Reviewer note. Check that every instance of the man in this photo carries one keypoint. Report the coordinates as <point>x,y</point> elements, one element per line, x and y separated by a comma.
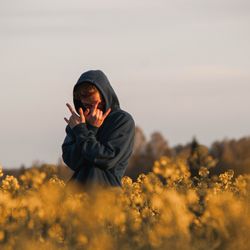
<point>100,136</point>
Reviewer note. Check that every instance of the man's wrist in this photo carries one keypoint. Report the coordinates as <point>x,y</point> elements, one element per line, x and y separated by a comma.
<point>92,128</point>
<point>80,127</point>
<point>84,127</point>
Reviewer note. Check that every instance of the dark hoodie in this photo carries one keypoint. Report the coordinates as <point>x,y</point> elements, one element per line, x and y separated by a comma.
<point>100,155</point>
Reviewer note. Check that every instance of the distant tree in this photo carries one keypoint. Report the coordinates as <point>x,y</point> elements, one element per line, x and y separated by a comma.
<point>199,157</point>
<point>232,154</point>
<point>135,161</point>
<point>145,153</point>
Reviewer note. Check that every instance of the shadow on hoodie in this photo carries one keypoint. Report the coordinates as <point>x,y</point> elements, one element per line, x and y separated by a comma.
<point>99,156</point>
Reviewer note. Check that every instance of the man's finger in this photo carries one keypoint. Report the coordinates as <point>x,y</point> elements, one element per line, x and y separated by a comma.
<point>66,119</point>
<point>101,114</point>
<point>106,114</point>
<point>82,117</point>
<point>93,110</point>
<point>98,114</point>
<point>71,109</point>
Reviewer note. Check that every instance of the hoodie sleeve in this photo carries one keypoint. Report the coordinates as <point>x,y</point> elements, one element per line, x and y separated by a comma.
<point>69,149</point>
<point>69,131</point>
<point>105,155</point>
<point>92,128</point>
<point>70,153</point>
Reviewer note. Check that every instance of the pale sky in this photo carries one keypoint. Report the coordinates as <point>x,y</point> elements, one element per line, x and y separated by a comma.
<point>179,67</point>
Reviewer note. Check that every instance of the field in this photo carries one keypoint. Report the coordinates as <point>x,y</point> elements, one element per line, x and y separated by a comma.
<point>164,209</point>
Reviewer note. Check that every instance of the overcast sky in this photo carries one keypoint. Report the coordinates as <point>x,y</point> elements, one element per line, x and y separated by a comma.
<point>179,67</point>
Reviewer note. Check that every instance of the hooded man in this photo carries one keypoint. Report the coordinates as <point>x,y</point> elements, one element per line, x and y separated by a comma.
<point>100,140</point>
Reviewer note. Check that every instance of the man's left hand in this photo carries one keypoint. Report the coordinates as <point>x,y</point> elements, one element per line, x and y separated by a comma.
<point>96,117</point>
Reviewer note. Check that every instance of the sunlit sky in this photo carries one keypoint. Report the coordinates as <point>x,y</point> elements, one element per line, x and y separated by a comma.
<point>179,67</point>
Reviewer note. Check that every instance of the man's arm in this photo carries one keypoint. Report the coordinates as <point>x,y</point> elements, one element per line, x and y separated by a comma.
<point>70,132</point>
<point>106,154</point>
<point>70,153</point>
<point>69,149</point>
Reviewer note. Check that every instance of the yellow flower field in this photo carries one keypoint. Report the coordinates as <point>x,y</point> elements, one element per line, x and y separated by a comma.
<point>165,209</point>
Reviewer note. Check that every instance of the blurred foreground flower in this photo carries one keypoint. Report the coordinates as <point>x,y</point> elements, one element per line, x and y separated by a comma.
<point>164,209</point>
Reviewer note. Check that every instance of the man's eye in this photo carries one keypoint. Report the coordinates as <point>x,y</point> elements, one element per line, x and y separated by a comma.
<point>100,106</point>
<point>87,105</point>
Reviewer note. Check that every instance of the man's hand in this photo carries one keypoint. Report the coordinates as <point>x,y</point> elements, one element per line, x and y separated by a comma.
<point>96,117</point>
<point>75,118</point>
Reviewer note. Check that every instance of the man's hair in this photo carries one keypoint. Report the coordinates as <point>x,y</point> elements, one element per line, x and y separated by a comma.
<point>85,90</point>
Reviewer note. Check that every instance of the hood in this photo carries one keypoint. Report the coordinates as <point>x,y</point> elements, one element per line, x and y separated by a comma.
<point>100,80</point>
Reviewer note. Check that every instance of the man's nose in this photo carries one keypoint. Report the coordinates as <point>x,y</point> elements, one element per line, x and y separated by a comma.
<point>93,105</point>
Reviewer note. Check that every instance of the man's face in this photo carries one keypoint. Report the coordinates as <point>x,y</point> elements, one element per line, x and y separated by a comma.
<point>90,101</point>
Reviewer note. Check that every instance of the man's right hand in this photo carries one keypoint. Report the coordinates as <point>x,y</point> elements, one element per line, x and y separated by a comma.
<point>74,118</point>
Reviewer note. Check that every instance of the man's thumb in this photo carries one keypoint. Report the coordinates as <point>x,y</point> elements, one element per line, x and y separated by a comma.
<point>81,114</point>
